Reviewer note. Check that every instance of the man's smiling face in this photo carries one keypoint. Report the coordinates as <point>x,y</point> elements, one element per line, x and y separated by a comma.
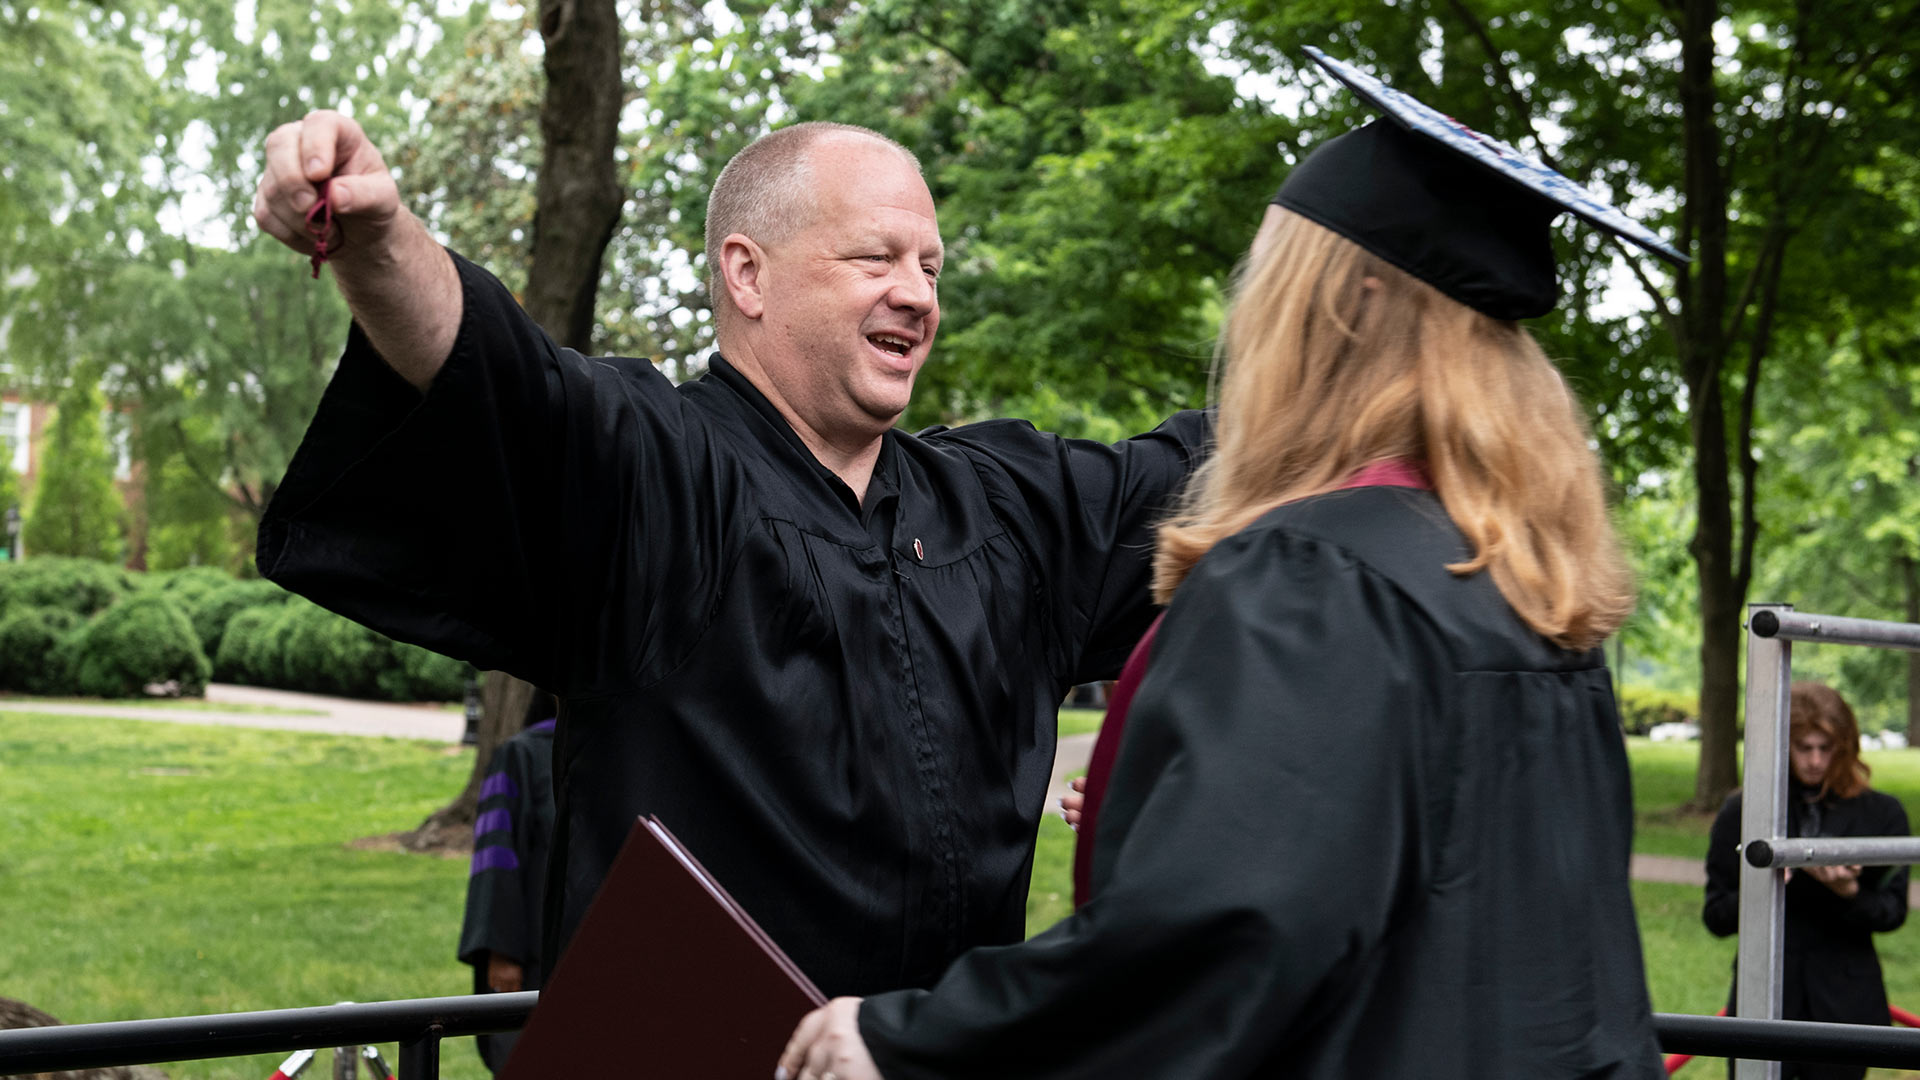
<point>851,296</point>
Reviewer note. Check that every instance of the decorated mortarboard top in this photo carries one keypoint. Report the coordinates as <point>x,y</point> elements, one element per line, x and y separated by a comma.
<point>1462,211</point>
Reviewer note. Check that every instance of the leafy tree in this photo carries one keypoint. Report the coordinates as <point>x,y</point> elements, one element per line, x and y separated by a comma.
<point>577,201</point>
<point>199,320</point>
<point>1842,508</point>
<point>188,519</point>
<point>76,509</point>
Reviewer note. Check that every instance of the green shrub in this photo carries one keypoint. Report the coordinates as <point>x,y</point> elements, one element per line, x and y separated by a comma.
<point>141,641</point>
<point>214,610</point>
<point>1642,707</point>
<point>243,641</point>
<point>294,644</point>
<point>424,675</point>
<point>31,661</point>
<point>326,653</point>
<point>270,655</point>
<point>82,586</point>
<point>188,585</point>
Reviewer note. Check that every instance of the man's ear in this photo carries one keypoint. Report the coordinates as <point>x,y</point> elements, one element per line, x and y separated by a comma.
<point>743,267</point>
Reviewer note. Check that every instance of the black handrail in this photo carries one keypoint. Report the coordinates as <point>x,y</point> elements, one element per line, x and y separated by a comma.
<point>418,1026</point>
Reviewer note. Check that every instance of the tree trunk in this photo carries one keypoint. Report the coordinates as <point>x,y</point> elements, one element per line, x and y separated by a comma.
<point>1703,302</point>
<point>578,197</point>
<point>577,206</point>
<point>1910,578</point>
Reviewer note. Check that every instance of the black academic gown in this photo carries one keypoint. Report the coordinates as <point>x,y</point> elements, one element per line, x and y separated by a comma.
<point>845,710</point>
<point>1829,969</point>
<point>508,876</point>
<point>1363,823</point>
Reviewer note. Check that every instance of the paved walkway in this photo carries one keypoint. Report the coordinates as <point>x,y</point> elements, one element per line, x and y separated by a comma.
<point>336,716</point>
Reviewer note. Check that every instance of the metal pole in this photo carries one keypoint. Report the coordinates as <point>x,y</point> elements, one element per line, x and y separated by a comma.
<point>420,1058</point>
<point>346,1062</point>
<point>1790,625</point>
<point>1763,815</point>
<point>1834,851</point>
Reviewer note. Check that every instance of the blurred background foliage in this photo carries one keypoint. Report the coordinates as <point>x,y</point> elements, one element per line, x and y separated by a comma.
<point>1100,166</point>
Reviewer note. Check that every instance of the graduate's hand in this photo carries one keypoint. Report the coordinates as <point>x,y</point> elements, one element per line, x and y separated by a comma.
<point>1074,801</point>
<point>1843,880</point>
<point>503,975</point>
<point>827,1046</point>
<point>325,147</point>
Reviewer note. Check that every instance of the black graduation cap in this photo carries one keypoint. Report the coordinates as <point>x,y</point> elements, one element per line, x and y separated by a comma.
<point>1461,211</point>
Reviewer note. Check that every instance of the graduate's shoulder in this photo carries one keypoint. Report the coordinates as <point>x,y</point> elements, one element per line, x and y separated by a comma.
<point>1403,537</point>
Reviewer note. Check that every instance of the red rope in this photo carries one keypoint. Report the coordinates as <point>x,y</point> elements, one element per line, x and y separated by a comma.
<point>319,225</point>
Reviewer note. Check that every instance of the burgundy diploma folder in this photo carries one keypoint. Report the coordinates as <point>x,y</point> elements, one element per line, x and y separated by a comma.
<point>666,976</point>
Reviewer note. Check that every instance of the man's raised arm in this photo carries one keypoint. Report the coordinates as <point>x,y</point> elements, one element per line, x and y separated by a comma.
<point>398,281</point>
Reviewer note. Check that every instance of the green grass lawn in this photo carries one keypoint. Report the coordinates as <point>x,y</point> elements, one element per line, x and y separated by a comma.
<point>186,704</point>
<point>1663,782</point>
<point>166,870</point>
<point>1080,721</point>
<point>162,869</point>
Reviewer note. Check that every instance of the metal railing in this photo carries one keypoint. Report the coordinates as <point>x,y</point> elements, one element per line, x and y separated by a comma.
<point>419,1026</point>
<point>1772,630</point>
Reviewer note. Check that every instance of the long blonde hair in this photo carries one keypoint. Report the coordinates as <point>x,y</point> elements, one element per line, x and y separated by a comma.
<point>1332,359</point>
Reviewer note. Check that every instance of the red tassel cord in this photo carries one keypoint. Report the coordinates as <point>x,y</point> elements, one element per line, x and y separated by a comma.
<point>319,225</point>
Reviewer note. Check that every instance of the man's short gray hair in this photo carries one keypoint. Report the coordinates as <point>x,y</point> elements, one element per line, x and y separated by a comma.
<point>766,191</point>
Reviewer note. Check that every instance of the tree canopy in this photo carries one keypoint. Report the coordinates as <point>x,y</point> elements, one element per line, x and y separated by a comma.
<point>1099,167</point>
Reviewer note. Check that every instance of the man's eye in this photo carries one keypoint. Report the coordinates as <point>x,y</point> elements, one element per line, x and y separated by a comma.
<point>932,272</point>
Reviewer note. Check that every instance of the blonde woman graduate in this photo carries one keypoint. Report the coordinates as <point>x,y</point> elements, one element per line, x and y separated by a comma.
<point>1361,808</point>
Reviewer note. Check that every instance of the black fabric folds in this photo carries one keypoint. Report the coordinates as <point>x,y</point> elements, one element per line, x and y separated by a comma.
<point>847,711</point>
<point>1363,823</point>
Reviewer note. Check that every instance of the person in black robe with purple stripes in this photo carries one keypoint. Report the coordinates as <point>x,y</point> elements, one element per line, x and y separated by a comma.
<point>500,936</point>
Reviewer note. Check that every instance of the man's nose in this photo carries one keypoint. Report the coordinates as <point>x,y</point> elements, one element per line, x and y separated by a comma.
<point>914,291</point>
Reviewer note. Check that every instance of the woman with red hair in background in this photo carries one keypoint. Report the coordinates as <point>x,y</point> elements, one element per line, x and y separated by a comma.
<point>1830,972</point>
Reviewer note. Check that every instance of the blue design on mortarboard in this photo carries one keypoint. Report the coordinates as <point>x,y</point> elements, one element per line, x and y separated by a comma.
<point>1414,115</point>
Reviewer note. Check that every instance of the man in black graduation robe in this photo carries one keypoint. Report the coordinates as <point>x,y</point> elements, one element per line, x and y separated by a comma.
<point>500,932</point>
<point>842,699</point>
<point>1365,822</point>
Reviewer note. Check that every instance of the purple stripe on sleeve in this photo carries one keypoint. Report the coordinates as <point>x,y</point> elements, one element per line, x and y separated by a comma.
<point>493,821</point>
<point>493,858</point>
<point>499,784</point>
<point>545,725</point>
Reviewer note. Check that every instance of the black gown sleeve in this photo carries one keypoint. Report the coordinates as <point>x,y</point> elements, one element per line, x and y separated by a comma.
<point>1721,911</point>
<point>1087,511</point>
<point>1881,904</point>
<point>492,518</point>
<point>1263,828</point>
